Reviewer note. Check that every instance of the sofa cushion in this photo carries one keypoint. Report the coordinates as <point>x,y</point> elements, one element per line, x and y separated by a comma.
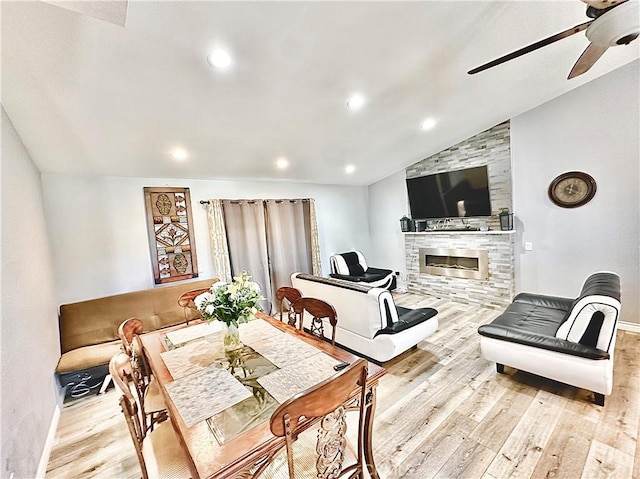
<point>532,318</point>
<point>551,343</point>
<point>409,319</point>
<point>87,357</point>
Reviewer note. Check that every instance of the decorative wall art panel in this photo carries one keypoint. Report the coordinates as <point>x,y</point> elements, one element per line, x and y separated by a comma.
<point>171,238</point>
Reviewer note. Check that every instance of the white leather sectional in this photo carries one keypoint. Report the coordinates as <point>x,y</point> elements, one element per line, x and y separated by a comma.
<point>369,323</point>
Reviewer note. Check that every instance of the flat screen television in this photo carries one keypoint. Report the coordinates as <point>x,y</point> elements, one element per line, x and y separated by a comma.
<point>453,194</point>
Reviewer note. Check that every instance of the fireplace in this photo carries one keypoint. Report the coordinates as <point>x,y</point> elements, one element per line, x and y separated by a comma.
<point>458,263</point>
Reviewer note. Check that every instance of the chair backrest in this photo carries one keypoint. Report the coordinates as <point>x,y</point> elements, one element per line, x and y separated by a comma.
<point>291,295</point>
<point>185,300</point>
<point>129,332</point>
<point>325,400</point>
<point>318,310</point>
<point>351,263</point>
<point>123,373</point>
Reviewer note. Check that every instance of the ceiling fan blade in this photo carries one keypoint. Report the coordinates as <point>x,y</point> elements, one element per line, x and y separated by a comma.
<point>587,60</point>
<point>532,47</point>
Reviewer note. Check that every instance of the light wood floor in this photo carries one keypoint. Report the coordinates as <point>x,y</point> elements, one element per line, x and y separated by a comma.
<point>442,412</point>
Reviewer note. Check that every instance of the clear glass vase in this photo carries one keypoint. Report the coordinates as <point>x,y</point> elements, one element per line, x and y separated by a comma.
<point>231,339</point>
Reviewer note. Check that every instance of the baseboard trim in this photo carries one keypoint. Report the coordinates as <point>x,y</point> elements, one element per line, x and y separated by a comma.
<point>633,327</point>
<point>48,445</point>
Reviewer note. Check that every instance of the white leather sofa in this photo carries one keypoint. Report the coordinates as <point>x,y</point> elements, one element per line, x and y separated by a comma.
<point>565,339</point>
<point>369,322</point>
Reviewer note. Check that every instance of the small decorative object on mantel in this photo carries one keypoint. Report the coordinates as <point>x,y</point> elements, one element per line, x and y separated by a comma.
<point>405,224</point>
<point>171,238</point>
<point>572,189</point>
<point>506,219</point>
<point>232,303</point>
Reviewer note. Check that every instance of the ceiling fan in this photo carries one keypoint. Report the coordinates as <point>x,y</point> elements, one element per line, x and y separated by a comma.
<point>613,23</point>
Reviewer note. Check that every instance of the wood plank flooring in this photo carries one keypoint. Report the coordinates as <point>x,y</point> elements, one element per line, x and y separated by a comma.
<point>442,412</point>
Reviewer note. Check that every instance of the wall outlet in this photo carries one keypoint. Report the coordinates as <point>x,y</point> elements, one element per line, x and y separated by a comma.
<point>528,246</point>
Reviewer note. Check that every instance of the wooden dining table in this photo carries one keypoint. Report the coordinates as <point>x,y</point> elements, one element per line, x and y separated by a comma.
<point>237,442</point>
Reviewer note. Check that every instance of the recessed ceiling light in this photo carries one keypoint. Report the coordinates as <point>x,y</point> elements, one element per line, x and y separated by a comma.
<point>219,58</point>
<point>427,123</point>
<point>356,101</point>
<point>282,163</point>
<point>179,154</point>
<point>349,169</point>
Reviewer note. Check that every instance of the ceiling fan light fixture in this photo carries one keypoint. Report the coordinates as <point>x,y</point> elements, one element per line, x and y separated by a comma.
<point>618,26</point>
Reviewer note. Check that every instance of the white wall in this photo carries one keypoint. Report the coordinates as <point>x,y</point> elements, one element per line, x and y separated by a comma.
<point>387,204</point>
<point>595,129</point>
<point>99,238</point>
<point>30,347</point>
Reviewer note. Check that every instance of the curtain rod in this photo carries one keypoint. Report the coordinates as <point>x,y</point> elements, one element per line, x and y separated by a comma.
<point>206,202</point>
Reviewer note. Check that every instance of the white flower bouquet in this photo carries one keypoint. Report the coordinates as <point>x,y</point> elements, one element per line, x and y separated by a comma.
<point>231,303</point>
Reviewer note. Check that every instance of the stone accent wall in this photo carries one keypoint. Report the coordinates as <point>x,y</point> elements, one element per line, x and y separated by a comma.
<point>495,292</point>
<point>491,148</point>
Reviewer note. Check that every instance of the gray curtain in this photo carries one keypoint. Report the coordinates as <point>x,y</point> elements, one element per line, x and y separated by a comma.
<point>288,240</point>
<point>270,239</point>
<point>246,237</point>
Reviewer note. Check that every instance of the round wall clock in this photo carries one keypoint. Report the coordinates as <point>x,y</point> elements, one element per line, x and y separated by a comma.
<point>572,189</point>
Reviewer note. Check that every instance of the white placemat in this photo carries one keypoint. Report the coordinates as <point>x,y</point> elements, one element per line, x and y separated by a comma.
<point>194,332</point>
<point>283,349</point>
<point>193,357</point>
<point>284,383</point>
<point>257,330</point>
<point>202,395</point>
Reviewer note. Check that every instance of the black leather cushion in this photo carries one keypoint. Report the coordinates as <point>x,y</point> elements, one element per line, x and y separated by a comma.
<point>355,270</point>
<point>408,320</point>
<point>551,343</point>
<point>554,302</point>
<point>531,318</point>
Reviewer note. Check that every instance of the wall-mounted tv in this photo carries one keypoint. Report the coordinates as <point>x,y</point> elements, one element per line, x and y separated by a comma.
<point>452,194</point>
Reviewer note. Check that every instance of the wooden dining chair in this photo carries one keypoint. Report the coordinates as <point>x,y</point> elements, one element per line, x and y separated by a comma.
<point>318,310</point>
<point>191,312</point>
<point>159,451</point>
<point>152,404</point>
<point>291,295</point>
<point>324,452</point>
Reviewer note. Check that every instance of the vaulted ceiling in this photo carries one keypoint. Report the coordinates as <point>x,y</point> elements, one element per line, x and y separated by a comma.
<point>94,98</point>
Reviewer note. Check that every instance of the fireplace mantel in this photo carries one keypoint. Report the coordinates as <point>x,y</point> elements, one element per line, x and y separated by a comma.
<point>494,288</point>
<point>459,232</point>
